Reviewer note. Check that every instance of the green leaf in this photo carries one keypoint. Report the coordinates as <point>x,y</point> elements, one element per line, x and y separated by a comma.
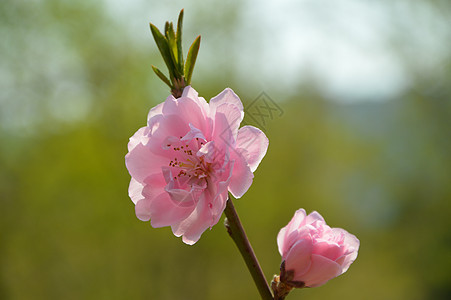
<point>169,31</point>
<point>162,44</point>
<point>170,36</point>
<point>191,60</point>
<point>166,29</point>
<point>162,76</point>
<point>178,38</point>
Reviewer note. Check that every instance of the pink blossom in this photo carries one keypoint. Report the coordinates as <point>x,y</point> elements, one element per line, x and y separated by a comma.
<point>187,159</point>
<point>312,252</point>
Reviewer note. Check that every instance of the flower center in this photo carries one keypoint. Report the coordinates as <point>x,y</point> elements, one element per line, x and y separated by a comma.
<point>187,165</point>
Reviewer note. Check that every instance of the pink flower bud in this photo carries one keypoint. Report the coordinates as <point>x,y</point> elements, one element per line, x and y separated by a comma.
<point>312,252</point>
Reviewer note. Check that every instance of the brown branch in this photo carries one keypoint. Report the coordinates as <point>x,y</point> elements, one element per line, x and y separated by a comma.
<point>236,232</point>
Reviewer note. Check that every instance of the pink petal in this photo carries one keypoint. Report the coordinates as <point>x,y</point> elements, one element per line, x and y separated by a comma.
<point>352,243</point>
<point>254,144</point>
<point>157,110</point>
<point>193,133</point>
<point>153,124</point>
<point>297,221</point>
<point>164,212</point>
<point>195,224</point>
<point>288,234</point>
<point>312,217</point>
<point>233,116</point>
<point>141,162</point>
<point>135,191</point>
<point>299,257</point>
<point>281,241</point>
<point>192,93</point>
<point>331,251</point>
<point>321,270</point>
<point>219,202</point>
<point>349,239</point>
<point>349,260</point>
<point>170,126</point>
<point>182,197</point>
<point>208,152</point>
<point>241,176</point>
<point>221,193</point>
<point>139,137</point>
<point>153,185</point>
<point>190,111</point>
<point>142,209</point>
<point>289,240</point>
<point>226,126</point>
<point>346,260</point>
<point>227,96</point>
<point>222,135</point>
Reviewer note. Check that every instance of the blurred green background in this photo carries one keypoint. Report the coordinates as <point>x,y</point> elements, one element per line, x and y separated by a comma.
<point>362,134</point>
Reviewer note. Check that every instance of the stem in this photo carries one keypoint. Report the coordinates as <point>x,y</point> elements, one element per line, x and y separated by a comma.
<point>236,232</point>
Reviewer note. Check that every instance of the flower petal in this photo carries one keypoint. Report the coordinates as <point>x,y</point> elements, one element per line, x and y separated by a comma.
<point>139,137</point>
<point>190,111</point>
<point>141,162</point>
<point>219,201</point>
<point>331,251</point>
<point>281,240</point>
<point>142,209</point>
<point>208,152</point>
<point>296,221</point>
<point>193,94</point>
<point>253,144</point>
<point>170,126</point>
<point>352,247</point>
<point>312,217</point>
<point>153,124</point>
<point>181,197</point>
<point>226,96</point>
<point>157,110</point>
<point>218,204</point>
<point>153,185</point>
<point>241,176</point>
<point>190,93</point>
<point>193,133</point>
<point>164,212</point>
<point>349,260</point>
<point>226,125</point>
<point>135,190</point>
<point>233,116</point>
<point>288,234</point>
<point>195,224</point>
<point>289,240</point>
<point>321,271</point>
<point>299,257</point>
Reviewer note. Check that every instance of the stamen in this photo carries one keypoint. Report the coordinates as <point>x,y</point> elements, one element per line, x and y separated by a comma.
<point>190,165</point>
